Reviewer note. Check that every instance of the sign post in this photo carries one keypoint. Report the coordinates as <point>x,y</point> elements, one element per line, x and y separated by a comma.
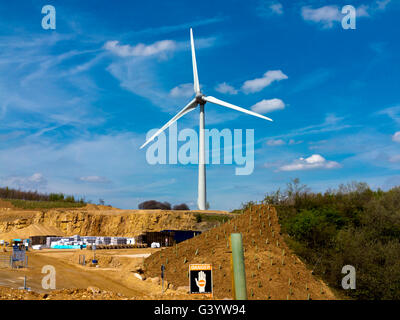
<point>25,287</point>
<point>239,275</point>
<point>200,279</point>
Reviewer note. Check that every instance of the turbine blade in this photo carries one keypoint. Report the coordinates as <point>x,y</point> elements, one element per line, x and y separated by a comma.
<point>228,105</point>
<point>189,107</point>
<point>195,75</point>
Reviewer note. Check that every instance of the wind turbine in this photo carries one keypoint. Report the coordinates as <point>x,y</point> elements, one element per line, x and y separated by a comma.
<point>200,100</point>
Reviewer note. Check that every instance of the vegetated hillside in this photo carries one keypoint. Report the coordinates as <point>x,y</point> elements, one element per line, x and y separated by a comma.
<point>33,204</point>
<point>16,194</point>
<point>27,199</point>
<point>353,225</point>
<point>96,220</point>
<point>272,270</point>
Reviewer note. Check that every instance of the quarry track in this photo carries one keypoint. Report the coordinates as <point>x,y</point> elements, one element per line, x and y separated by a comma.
<point>114,279</point>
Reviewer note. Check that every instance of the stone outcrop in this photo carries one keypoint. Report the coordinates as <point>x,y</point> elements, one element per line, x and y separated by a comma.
<point>94,222</point>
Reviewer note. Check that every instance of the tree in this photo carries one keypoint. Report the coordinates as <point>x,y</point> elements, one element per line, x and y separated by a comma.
<point>153,204</point>
<point>294,189</point>
<point>182,206</point>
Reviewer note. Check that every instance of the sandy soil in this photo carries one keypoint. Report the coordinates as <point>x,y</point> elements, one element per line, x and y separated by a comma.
<point>32,230</point>
<point>113,279</point>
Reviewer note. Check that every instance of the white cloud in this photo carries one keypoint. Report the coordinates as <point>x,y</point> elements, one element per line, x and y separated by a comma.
<point>381,4</point>
<point>368,10</point>
<point>37,178</point>
<point>35,182</point>
<point>183,90</point>
<point>201,43</point>
<point>396,137</point>
<point>272,164</point>
<point>330,14</point>
<point>225,88</point>
<point>325,15</point>
<point>315,161</point>
<point>395,158</point>
<point>258,84</point>
<point>274,143</point>
<point>174,28</point>
<point>157,48</point>
<point>268,8</point>
<point>276,7</point>
<point>139,74</point>
<point>331,123</point>
<point>94,179</point>
<point>30,69</point>
<point>367,147</point>
<point>140,50</point>
<point>362,11</point>
<point>293,142</point>
<point>331,118</point>
<point>392,112</point>
<point>265,106</point>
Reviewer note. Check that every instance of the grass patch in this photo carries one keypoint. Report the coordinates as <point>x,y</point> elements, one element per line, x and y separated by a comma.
<point>27,204</point>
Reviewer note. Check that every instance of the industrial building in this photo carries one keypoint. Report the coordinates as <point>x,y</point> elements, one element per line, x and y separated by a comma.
<point>76,240</point>
<point>164,238</point>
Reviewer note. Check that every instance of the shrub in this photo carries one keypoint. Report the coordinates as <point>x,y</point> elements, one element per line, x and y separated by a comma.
<point>182,206</point>
<point>351,225</point>
<point>198,217</point>
<point>56,197</point>
<point>153,204</point>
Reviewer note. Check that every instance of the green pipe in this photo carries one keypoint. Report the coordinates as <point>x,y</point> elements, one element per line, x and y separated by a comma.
<point>239,274</point>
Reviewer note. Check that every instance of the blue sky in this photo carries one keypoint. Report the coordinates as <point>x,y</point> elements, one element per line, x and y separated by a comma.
<point>76,102</point>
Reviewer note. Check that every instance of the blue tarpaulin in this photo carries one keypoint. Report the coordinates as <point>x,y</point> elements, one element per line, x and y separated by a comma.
<point>59,246</point>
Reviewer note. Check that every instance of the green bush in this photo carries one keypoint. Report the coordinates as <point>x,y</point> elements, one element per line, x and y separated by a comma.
<point>352,225</point>
<point>198,217</point>
<point>25,204</point>
<point>8,193</point>
<point>56,197</point>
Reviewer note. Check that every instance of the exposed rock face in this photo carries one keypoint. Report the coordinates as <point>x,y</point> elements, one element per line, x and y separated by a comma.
<point>94,222</point>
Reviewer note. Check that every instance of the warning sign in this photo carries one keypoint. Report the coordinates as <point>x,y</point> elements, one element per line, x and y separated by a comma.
<point>200,279</point>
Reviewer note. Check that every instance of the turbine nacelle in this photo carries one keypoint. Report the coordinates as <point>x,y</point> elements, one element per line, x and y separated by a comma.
<point>200,98</point>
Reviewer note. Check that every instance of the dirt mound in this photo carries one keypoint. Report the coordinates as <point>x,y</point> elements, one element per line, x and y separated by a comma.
<point>103,260</point>
<point>32,230</point>
<point>272,270</point>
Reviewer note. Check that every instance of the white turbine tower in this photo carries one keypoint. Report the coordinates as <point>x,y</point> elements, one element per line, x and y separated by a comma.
<point>200,99</point>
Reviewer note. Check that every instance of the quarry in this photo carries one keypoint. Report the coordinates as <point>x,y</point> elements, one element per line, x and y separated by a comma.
<point>114,260</point>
